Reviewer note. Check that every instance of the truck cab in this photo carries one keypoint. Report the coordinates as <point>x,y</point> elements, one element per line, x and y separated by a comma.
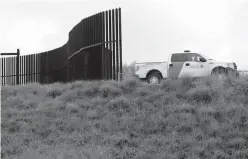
<point>188,64</point>
<point>181,65</point>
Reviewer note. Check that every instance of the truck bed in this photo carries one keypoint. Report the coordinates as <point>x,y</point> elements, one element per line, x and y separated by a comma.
<point>142,68</point>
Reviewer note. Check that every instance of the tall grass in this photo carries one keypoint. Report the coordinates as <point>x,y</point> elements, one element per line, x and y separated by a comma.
<point>179,119</point>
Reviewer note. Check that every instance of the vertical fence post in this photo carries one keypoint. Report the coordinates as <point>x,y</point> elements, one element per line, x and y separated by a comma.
<point>113,38</point>
<point>17,67</point>
<point>120,41</point>
<point>117,42</point>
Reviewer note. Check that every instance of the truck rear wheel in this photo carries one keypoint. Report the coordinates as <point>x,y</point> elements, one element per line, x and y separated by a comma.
<point>154,78</point>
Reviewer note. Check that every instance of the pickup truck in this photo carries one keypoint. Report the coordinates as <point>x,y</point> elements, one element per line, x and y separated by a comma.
<point>183,64</point>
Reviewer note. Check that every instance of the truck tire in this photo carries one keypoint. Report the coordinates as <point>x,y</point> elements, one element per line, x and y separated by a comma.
<point>154,78</point>
<point>219,72</point>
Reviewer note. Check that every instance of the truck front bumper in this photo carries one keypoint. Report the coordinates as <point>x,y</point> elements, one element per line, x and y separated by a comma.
<point>233,73</point>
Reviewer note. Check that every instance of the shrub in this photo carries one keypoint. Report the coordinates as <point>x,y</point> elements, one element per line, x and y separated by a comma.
<point>203,95</point>
<point>54,92</point>
<point>107,90</point>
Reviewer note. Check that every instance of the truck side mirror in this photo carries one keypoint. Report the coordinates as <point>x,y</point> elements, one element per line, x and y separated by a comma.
<point>202,59</point>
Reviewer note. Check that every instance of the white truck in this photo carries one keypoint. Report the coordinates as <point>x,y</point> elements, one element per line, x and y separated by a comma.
<point>181,65</point>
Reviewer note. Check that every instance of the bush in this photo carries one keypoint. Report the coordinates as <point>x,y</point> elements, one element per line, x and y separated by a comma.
<point>203,95</point>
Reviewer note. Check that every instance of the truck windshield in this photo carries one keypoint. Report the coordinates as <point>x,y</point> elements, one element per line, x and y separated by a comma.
<point>207,57</point>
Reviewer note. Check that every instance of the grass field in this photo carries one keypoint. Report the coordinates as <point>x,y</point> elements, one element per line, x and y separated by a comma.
<point>178,119</point>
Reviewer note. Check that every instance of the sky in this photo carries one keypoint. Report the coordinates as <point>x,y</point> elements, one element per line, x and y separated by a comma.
<point>151,29</point>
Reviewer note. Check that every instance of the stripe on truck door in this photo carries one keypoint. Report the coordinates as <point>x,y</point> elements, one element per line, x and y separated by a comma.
<point>176,69</point>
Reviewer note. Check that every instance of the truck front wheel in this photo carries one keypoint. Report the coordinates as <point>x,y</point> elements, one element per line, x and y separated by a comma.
<point>154,78</point>
<point>219,72</point>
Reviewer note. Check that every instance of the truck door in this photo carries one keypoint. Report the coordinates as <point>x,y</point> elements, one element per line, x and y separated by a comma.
<point>176,64</point>
<point>194,67</point>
